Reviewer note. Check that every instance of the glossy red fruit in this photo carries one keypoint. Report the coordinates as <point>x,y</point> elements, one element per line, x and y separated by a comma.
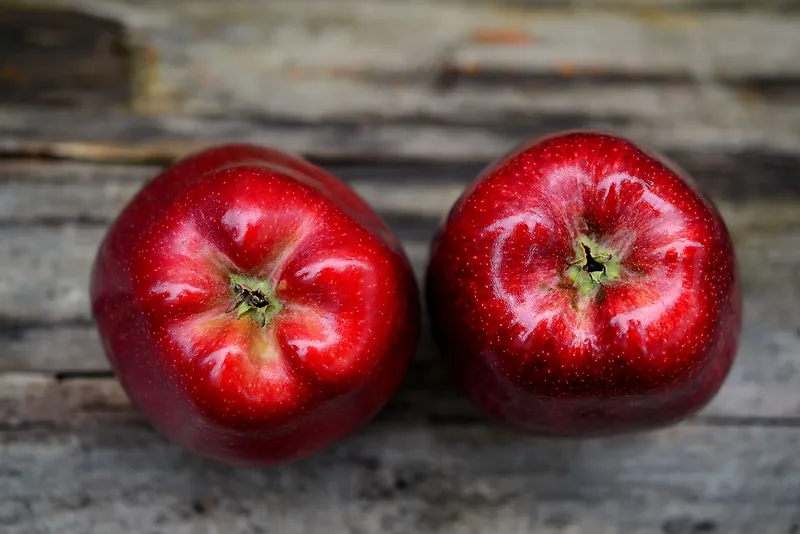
<point>582,286</point>
<point>253,306</point>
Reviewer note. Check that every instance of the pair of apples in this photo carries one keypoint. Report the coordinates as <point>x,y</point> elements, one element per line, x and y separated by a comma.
<point>255,309</point>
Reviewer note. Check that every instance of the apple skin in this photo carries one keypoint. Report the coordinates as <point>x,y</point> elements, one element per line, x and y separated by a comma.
<point>638,334</point>
<point>253,307</point>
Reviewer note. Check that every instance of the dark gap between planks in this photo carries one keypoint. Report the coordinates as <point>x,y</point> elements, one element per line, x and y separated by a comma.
<point>55,57</point>
<point>734,176</point>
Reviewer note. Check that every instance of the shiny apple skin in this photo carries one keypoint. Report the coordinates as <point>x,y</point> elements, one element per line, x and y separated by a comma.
<point>226,387</point>
<point>643,351</point>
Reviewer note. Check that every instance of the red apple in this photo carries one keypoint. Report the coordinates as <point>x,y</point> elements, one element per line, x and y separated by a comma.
<point>253,306</point>
<point>582,286</point>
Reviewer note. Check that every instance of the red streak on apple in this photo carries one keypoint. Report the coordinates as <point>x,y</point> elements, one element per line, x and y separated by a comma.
<point>582,286</point>
<point>253,306</point>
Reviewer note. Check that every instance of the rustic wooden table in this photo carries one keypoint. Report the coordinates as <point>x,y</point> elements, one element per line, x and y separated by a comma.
<point>406,101</point>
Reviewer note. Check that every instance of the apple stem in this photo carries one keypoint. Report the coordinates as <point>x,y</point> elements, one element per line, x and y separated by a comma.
<point>593,267</point>
<point>254,298</point>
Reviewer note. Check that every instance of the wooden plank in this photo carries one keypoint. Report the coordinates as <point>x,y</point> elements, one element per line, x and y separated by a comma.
<point>763,385</point>
<point>46,324</point>
<point>323,60</point>
<point>61,57</point>
<point>122,137</point>
<point>29,202</point>
<point>139,138</point>
<point>72,347</point>
<point>637,5</point>
<point>46,270</point>
<point>70,215</point>
<point>76,459</point>
<point>30,292</point>
<point>60,196</point>
<point>358,34</point>
<point>735,176</point>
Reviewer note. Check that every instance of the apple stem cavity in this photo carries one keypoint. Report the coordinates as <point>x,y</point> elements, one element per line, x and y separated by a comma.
<point>255,299</point>
<point>594,267</point>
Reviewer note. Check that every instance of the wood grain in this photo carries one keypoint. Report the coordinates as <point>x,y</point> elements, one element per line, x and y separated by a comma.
<point>76,459</point>
<point>63,58</point>
<point>638,6</point>
<point>46,270</point>
<point>52,216</point>
<point>362,60</point>
<point>29,291</point>
<point>34,191</point>
<point>123,137</point>
<point>407,101</point>
<point>763,386</point>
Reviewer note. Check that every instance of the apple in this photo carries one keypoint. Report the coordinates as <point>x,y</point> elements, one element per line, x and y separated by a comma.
<point>253,307</point>
<point>583,286</point>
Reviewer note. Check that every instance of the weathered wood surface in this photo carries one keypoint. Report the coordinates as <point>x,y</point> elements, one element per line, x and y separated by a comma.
<point>451,61</point>
<point>407,101</point>
<point>63,57</point>
<point>402,474</point>
<point>355,79</point>
<point>76,458</point>
<point>764,141</point>
<point>52,217</point>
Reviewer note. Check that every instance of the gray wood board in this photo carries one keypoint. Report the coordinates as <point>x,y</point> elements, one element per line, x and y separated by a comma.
<point>74,456</point>
<point>98,468</point>
<point>114,137</point>
<point>454,61</point>
<point>52,221</point>
<point>762,387</point>
<point>52,216</point>
<point>714,87</point>
<point>640,6</point>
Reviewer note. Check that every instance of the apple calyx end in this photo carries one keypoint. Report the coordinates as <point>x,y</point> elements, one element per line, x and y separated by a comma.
<point>254,298</point>
<point>593,267</point>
